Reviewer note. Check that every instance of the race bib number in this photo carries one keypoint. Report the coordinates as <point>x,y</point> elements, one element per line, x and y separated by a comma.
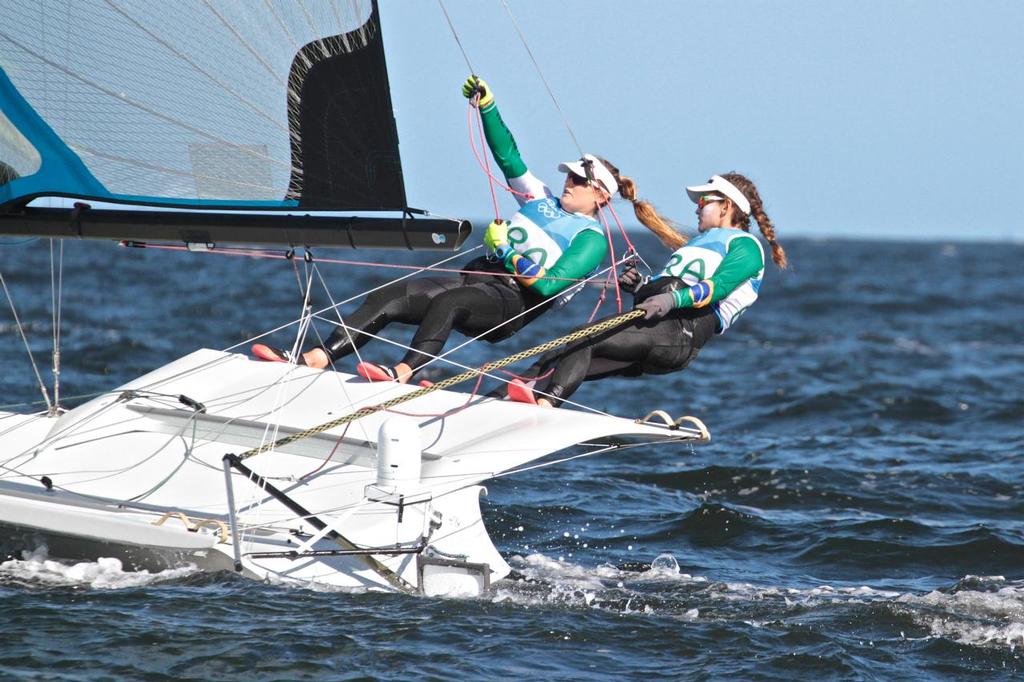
<point>520,236</point>
<point>692,265</point>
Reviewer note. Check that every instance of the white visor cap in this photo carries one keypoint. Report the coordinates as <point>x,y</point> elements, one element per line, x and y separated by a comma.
<point>599,171</point>
<point>719,184</point>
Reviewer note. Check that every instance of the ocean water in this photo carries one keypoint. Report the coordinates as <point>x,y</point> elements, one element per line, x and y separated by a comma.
<point>857,515</point>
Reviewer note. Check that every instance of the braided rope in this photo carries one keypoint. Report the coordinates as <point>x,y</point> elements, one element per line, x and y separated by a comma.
<point>602,326</point>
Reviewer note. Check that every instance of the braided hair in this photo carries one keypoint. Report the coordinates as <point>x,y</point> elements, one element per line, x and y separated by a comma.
<point>746,185</point>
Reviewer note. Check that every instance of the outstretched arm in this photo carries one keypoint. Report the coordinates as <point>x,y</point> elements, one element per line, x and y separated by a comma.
<point>502,145</point>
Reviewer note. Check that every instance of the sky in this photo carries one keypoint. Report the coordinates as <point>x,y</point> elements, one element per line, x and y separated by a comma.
<point>898,119</point>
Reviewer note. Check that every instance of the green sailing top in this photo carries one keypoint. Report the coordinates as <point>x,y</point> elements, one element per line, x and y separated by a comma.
<point>723,268</point>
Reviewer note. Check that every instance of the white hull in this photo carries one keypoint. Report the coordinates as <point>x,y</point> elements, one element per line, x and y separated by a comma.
<point>138,474</point>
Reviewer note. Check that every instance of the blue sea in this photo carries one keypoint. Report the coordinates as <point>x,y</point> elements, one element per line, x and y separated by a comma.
<point>858,513</point>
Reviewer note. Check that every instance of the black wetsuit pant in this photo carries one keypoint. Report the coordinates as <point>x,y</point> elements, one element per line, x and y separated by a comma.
<point>471,305</point>
<point>640,347</point>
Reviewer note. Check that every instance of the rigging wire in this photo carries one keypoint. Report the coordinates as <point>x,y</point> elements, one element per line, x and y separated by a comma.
<point>443,357</point>
<point>492,180</point>
<point>348,336</point>
<point>307,305</point>
<point>456,36</point>
<point>598,328</point>
<point>9,406</point>
<point>522,39</point>
<point>474,104</point>
<point>56,294</point>
<point>337,305</point>
<point>257,253</point>
<point>28,349</point>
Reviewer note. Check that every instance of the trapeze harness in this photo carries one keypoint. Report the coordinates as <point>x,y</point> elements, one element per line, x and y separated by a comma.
<point>491,299</point>
<point>722,267</point>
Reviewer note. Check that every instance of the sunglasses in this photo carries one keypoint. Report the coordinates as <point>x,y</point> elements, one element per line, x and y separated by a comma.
<point>706,199</point>
<point>576,180</point>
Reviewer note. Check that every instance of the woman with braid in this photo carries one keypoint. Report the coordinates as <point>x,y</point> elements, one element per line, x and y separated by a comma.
<point>703,289</point>
<point>537,257</point>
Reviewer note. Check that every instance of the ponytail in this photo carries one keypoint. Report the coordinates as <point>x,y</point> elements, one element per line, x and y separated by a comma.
<point>663,228</point>
<point>745,185</point>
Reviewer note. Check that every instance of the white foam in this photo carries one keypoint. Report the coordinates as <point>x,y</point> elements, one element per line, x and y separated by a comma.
<point>106,573</point>
<point>606,587</point>
<point>990,616</point>
<point>985,611</point>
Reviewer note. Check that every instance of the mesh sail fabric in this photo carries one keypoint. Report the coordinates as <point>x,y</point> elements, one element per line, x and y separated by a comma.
<point>198,102</point>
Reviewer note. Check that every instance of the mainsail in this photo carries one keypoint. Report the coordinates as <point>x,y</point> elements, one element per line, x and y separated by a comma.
<point>182,111</point>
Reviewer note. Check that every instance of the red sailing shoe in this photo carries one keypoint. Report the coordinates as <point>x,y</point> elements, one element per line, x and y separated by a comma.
<point>520,392</point>
<point>271,354</point>
<point>371,371</point>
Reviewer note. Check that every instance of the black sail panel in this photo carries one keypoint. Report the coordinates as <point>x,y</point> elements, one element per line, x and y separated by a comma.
<point>343,134</point>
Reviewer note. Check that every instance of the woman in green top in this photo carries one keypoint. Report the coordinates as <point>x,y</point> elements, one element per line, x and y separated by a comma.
<point>536,257</point>
<point>707,284</point>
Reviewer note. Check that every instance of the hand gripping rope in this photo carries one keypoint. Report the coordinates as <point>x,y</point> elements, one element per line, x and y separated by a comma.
<point>591,330</point>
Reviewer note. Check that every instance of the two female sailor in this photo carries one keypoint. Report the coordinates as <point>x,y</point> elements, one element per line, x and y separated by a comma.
<point>536,260</point>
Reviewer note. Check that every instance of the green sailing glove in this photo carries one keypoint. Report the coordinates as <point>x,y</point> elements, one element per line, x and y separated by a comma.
<point>477,86</point>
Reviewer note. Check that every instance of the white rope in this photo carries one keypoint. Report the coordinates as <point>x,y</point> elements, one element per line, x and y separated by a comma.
<point>547,301</point>
<point>443,357</point>
<point>28,349</point>
<point>337,306</point>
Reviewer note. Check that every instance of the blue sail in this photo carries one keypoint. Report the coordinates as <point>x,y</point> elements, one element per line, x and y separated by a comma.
<point>235,106</point>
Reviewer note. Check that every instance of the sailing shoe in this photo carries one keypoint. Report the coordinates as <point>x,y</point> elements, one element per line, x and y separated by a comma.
<point>520,392</point>
<point>272,354</point>
<point>371,371</point>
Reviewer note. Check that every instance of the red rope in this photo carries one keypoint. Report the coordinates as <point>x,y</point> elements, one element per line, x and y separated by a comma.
<point>333,450</point>
<point>611,249</point>
<point>600,299</point>
<point>622,230</point>
<point>484,163</point>
<point>484,166</point>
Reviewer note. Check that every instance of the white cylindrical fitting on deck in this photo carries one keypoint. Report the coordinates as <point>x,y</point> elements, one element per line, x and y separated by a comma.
<point>398,453</point>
